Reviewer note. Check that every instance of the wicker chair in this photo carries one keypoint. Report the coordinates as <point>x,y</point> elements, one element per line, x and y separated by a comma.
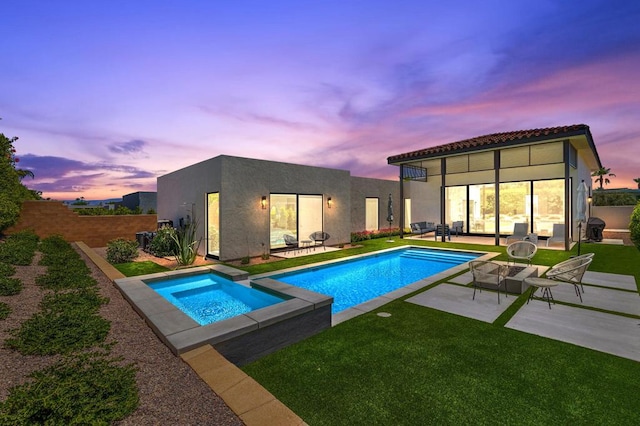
<point>486,273</point>
<point>571,271</point>
<point>521,250</point>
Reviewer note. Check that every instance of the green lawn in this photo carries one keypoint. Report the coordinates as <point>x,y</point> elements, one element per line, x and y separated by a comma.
<point>422,366</point>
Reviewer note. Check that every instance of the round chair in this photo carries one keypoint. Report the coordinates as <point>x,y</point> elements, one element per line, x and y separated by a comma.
<point>521,250</point>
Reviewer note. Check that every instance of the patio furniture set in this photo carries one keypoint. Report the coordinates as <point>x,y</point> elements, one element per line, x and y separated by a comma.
<point>317,238</point>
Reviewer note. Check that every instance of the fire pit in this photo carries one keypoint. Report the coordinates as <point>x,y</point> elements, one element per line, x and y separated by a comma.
<point>516,276</point>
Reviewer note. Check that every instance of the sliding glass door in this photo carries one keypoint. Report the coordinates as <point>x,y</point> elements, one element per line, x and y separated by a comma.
<point>295,215</point>
<point>213,224</point>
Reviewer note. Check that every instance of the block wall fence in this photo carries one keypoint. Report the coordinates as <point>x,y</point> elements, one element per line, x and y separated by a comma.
<point>48,218</point>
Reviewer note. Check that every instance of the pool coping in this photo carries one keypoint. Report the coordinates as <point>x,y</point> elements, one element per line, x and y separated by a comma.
<point>379,301</point>
<point>181,333</point>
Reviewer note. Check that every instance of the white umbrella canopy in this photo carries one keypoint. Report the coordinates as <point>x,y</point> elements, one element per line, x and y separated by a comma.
<point>581,202</point>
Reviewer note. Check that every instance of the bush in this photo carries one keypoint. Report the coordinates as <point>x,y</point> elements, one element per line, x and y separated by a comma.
<point>52,332</point>
<point>634,226</point>
<point>606,198</point>
<point>163,244</point>
<point>85,389</point>
<point>121,250</point>
<point>187,244</point>
<point>6,270</point>
<point>5,310</point>
<point>10,286</point>
<point>19,248</point>
<point>370,235</point>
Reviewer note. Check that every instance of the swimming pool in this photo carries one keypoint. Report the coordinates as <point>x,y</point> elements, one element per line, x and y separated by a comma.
<point>209,298</point>
<point>353,282</point>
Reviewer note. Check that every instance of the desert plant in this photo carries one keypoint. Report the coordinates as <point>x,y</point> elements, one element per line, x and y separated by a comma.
<point>10,286</point>
<point>5,310</point>
<point>634,226</point>
<point>163,244</point>
<point>187,244</point>
<point>81,389</point>
<point>121,250</point>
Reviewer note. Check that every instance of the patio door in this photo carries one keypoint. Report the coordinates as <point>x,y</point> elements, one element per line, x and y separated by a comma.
<point>213,224</point>
<point>309,215</point>
<point>295,215</point>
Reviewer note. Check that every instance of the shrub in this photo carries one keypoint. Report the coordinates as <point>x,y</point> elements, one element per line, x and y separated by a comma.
<point>19,248</point>
<point>6,270</point>
<point>634,226</point>
<point>5,310</point>
<point>84,299</point>
<point>187,244</point>
<point>121,250</point>
<point>84,389</point>
<point>52,332</point>
<point>164,244</point>
<point>369,235</point>
<point>10,286</point>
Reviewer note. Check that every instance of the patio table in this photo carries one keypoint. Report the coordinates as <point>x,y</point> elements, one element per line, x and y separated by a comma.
<point>545,284</point>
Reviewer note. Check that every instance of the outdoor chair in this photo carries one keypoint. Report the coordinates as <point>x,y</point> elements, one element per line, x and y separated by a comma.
<point>422,228</point>
<point>557,235</point>
<point>291,242</point>
<point>442,230</point>
<point>520,231</point>
<point>457,227</point>
<point>319,238</point>
<point>571,271</point>
<point>521,250</point>
<point>487,273</point>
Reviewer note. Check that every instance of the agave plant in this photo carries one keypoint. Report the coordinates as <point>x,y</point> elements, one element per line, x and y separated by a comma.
<point>187,244</point>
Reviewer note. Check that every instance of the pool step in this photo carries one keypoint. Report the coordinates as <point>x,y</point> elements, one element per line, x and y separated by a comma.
<point>438,257</point>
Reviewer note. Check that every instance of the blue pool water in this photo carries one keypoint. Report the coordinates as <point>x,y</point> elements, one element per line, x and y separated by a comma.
<point>356,281</point>
<point>209,298</point>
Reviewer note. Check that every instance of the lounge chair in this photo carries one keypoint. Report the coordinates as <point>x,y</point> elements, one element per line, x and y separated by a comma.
<point>319,238</point>
<point>457,227</point>
<point>557,235</point>
<point>442,230</point>
<point>291,242</point>
<point>571,271</point>
<point>520,231</point>
<point>421,228</point>
<point>486,273</point>
<point>521,250</point>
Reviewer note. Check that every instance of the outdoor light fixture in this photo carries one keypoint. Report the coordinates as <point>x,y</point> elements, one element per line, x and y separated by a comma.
<point>329,202</point>
<point>263,202</point>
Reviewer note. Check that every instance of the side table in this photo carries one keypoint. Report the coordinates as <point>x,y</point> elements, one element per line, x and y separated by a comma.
<point>545,284</point>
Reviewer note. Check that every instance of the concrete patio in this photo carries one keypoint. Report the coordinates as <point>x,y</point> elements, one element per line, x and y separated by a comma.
<point>608,320</point>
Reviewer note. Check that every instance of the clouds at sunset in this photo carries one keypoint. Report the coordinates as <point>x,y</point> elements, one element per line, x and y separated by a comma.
<point>105,98</point>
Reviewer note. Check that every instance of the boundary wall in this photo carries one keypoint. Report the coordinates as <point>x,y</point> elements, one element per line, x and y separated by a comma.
<point>48,218</point>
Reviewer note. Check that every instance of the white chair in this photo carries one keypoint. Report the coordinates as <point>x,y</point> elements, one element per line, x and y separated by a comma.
<point>571,271</point>
<point>521,250</point>
<point>489,273</point>
<point>557,235</point>
<point>520,231</point>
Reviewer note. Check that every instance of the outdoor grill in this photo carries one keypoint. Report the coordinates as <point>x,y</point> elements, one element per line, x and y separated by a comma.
<point>595,226</point>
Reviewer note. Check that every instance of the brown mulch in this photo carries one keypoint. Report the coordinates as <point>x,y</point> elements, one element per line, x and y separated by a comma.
<point>170,392</point>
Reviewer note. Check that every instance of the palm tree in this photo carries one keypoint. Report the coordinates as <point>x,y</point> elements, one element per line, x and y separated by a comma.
<point>637,180</point>
<point>600,176</point>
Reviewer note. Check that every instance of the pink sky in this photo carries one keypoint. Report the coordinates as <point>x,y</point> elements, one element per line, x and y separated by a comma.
<point>106,96</point>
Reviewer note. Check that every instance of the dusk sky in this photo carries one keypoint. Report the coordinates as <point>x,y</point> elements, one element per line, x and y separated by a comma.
<point>105,96</point>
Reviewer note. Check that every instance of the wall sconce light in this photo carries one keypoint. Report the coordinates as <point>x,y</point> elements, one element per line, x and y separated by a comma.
<point>329,202</point>
<point>589,199</point>
<point>263,202</point>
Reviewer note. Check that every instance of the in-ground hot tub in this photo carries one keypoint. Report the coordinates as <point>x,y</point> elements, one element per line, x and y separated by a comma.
<point>291,315</point>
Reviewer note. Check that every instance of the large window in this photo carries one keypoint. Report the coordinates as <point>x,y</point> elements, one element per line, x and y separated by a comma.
<point>482,209</point>
<point>515,205</point>
<point>213,224</point>
<point>548,205</point>
<point>456,204</point>
<point>296,215</point>
<point>371,220</point>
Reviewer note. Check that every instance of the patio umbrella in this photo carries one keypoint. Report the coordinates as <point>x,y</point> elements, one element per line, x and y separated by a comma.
<point>390,211</point>
<point>581,213</point>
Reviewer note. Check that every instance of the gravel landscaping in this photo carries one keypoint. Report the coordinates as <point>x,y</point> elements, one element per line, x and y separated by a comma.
<point>169,391</point>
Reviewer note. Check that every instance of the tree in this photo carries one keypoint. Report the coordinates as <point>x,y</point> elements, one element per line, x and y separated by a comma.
<point>637,180</point>
<point>12,191</point>
<point>602,176</point>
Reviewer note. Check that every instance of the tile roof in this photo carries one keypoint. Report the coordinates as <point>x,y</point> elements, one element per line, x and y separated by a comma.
<point>520,136</point>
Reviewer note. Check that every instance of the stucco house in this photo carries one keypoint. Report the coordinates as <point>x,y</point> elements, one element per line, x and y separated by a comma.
<point>492,182</point>
<point>244,206</point>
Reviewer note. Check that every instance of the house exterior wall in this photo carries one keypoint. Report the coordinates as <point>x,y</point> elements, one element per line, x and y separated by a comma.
<point>363,188</point>
<point>145,200</point>
<point>242,182</point>
<point>425,200</point>
<point>244,225</point>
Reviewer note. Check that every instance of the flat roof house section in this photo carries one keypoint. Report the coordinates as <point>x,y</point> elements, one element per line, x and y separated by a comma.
<point>493,181</point>
<point>244,206</point>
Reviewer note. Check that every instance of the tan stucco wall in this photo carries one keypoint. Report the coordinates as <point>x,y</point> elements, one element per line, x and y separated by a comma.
<point>48,218</point>
<point>363,188</point>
